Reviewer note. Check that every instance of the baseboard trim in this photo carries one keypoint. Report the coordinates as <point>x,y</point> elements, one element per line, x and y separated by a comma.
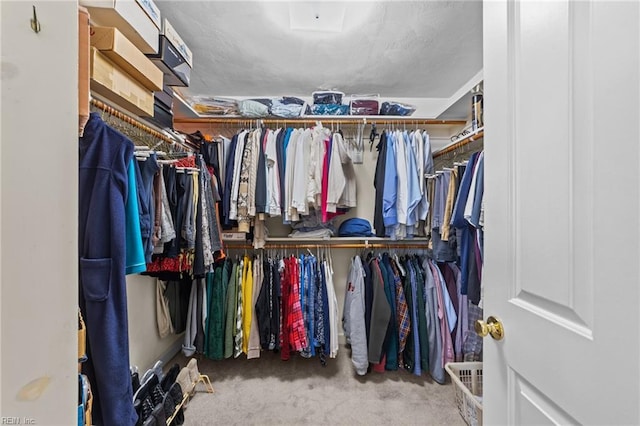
<point>170,352</point>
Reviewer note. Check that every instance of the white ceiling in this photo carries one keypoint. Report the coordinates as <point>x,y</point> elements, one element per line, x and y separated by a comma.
<point>427,50</point>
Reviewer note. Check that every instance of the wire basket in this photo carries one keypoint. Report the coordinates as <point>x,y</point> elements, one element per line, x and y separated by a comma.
<point>467,384</point>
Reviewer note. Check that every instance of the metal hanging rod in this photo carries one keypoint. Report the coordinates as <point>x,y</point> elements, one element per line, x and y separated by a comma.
<point>459,143</point>
<point>245,246</point>
<point>328,119</point>
<point>130,120</point>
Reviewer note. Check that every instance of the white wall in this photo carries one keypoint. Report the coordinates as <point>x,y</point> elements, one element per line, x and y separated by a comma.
<point>365,209</point>
<point>145,345</point>
<point>38,213</point>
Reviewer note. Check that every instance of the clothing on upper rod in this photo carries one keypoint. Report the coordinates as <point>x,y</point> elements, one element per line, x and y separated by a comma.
<point>401,205</point>
<point>139,133</point>
<point>456,219</point>
<point>177,228</point>
<point>292,173</point>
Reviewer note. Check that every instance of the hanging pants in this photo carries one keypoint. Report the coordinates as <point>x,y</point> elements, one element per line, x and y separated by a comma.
<point>103,188</point>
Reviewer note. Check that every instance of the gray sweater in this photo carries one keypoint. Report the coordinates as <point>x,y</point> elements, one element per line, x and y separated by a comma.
<point>353,317</point>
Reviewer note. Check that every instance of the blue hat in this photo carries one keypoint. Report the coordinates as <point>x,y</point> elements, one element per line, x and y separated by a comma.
<point>355,227</point>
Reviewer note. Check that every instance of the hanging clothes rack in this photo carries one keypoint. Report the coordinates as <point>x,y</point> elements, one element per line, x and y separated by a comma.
<point>245,246</point>
<point>459,150</point>
<point>163,142</point>
<point>460,143</point>
<point>129,120</point>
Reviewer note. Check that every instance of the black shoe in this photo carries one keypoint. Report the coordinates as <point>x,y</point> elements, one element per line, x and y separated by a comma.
<point>147,409</point>
<point>157,394</point>
<point>170,377</point>
<point>135,381</point>
<point>169,405</point>
<point>151,421</point>
<point>176,394</point>
<point>145,390</point>
<point>159,414</point>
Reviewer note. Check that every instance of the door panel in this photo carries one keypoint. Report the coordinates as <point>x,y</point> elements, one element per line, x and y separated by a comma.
<point>552,181</point>
<point>533,407</point>
<point>562,102</point>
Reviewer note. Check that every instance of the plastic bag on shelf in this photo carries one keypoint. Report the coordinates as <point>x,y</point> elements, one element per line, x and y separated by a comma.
<point>396,108</point>
<point>211,105</point>
<point>288,100</point>
<point>288,107</point>
<point>252,109</point>
<point>324,97</point>
<point>364,104</point>
<point>330,109</point>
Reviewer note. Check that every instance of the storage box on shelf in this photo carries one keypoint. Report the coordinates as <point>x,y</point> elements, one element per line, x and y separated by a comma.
<point>138,20</point>
<point>162,116</point>
<point>172,35</point>
<point>174,58</point>
<point>110,81</point>
<point>163,107</point>
<point>467,385</point>
<point>152,11</point>
<point>165,96</point>
<point>115,46</point>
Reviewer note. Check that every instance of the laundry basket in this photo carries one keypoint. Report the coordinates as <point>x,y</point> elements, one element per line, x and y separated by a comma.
<point>467,384</point>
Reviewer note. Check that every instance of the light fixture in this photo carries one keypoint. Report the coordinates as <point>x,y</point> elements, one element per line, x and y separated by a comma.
<point>325,16</point>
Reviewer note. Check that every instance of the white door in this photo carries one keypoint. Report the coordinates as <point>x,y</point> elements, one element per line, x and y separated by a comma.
<point>562,188</point>
<point>38,213</point>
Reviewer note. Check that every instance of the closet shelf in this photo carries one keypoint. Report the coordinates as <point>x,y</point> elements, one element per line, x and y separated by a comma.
<point>312,119</point>
<point>185,114</point>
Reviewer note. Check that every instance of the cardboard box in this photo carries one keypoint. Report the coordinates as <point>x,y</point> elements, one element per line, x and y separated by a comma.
<point>165,97</point>
<point>129,17</point>
<point>170,33</point>
<point>177,72</point>
<point>152,11</point>
<point>162,116</point>
<point>108,80</point>
<point>115,46</point>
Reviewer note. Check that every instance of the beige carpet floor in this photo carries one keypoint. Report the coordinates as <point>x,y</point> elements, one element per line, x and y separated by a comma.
<point>268,391</point>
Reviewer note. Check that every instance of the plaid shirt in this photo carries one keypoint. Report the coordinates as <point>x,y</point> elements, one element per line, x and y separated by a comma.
<point>297,332</point>
<point>472,341</point>
<point>404,322</point>
<point>403,317</point>
<point>285,284</point>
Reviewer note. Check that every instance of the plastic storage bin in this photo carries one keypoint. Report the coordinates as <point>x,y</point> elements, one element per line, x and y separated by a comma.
<point>467,384</point>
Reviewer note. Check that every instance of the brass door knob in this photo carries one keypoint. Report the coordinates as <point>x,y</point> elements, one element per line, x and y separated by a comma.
<point>493,326</point>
